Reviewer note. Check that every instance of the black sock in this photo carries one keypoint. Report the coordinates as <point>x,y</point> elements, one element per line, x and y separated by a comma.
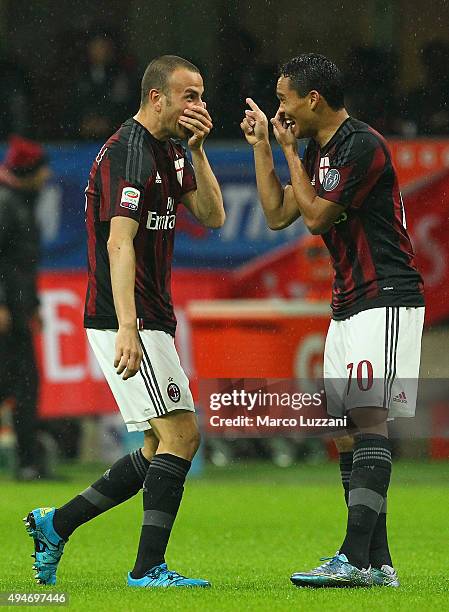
<point>370,477</point>
<point>162,494</point>
<point>120,482</point>
<point>345,471</point>
<point>379,552</point>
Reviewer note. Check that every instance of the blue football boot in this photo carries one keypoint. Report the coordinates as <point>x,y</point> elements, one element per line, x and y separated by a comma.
<point>336,572</point>
<point>161,576</point>
<point>48,545</point>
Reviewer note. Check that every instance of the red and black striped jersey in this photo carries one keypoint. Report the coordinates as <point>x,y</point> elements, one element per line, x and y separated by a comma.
<point>137,176</point>
<point>369,245</point>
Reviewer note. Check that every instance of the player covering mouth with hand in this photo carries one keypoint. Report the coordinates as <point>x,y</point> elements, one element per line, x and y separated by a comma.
<point>137,181</point>
<point>345,189</point>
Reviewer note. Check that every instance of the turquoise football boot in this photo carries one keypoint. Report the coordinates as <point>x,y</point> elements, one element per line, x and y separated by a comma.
<point>161,576</point>
<point>335,572</point>
<point>48,545</point>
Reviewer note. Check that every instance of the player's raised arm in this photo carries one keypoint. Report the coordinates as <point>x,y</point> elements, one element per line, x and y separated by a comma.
<point>278,203</point>
<point>206,202</point>
<point>318,213</point>
<point>122,262</point>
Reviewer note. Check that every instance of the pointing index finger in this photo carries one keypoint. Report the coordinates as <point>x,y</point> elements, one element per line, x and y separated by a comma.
<point>252,104</point>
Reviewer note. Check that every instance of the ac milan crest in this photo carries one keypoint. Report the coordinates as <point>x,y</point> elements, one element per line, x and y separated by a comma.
<point>173,392</point>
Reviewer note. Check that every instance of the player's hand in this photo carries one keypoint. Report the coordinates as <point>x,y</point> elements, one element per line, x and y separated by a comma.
<point>198,121</point>
<point>5,319</point>
<point>255,124</point>
<point>128,353</point>
<point>283,132</point>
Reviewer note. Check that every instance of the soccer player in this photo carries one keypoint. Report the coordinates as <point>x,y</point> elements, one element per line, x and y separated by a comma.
<point>137,181</point>
<point>346,189</point>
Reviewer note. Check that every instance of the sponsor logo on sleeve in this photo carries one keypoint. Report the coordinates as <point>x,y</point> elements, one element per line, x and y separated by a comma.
<point>130,198</point>
<point>331,180</point>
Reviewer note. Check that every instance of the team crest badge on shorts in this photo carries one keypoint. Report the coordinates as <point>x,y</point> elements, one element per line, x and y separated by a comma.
<point>331,179</point>
<point>173,392</point>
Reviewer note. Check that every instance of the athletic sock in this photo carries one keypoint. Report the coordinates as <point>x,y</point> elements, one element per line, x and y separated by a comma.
<point>120,482</point>
<point>379,552</point>
<point>162,494</point>
<point>368,486</point>
<point>345,471</point>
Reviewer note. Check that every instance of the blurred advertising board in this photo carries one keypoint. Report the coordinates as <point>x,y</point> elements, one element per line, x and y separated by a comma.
<point>243,259</point>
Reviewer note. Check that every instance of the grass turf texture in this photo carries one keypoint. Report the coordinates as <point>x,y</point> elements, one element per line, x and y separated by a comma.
<point>246,528</point>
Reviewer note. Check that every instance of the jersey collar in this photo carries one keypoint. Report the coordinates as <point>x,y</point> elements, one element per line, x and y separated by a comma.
<point>329,144</point>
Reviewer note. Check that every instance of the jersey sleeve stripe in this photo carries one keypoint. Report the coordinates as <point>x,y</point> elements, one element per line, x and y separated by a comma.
<point>347,151</point>
<point>139,171</point>
<point>136,157</point>
<point>106,205</point>
<point>129,154</point>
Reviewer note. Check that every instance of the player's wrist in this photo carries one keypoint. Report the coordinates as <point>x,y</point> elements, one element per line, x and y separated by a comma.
<point>128,325</point>
<point>260,143</point>
<point>198,150</point>
<point>290,149</point>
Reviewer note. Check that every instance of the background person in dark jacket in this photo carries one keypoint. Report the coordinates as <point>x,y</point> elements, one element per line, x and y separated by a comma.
<point>22,175</point>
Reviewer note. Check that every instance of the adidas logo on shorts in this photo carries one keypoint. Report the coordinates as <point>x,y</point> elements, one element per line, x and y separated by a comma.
<point>400,398</point>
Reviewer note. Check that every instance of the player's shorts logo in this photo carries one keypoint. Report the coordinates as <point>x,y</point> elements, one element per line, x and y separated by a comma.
<point>173,392</point>
<point>401,398</point>
<point>130,198</point>
<point>331,179</point>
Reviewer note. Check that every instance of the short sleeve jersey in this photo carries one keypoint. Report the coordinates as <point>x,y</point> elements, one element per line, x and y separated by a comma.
<point>370,248</point>
<point>137,176</point>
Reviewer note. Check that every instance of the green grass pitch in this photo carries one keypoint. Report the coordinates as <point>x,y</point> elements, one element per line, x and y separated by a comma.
<point>245,528</point>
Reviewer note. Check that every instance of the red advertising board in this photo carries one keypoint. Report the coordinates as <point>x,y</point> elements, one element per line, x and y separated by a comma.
<point>72,383</point>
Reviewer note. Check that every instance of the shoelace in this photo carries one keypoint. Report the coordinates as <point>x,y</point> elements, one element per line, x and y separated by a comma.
<point>330,561</point>
<point>159,570</point>
<point>155,573</point>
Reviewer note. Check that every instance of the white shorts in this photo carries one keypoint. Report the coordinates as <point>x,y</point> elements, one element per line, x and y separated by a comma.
<point>159,387</point>
<point>372,360</point>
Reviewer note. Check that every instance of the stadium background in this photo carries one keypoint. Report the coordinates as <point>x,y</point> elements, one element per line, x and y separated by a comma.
<point>395,56</point>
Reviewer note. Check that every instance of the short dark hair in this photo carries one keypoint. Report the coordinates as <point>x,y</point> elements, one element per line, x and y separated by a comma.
<point>158,71</point>
<point>313,71</point>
